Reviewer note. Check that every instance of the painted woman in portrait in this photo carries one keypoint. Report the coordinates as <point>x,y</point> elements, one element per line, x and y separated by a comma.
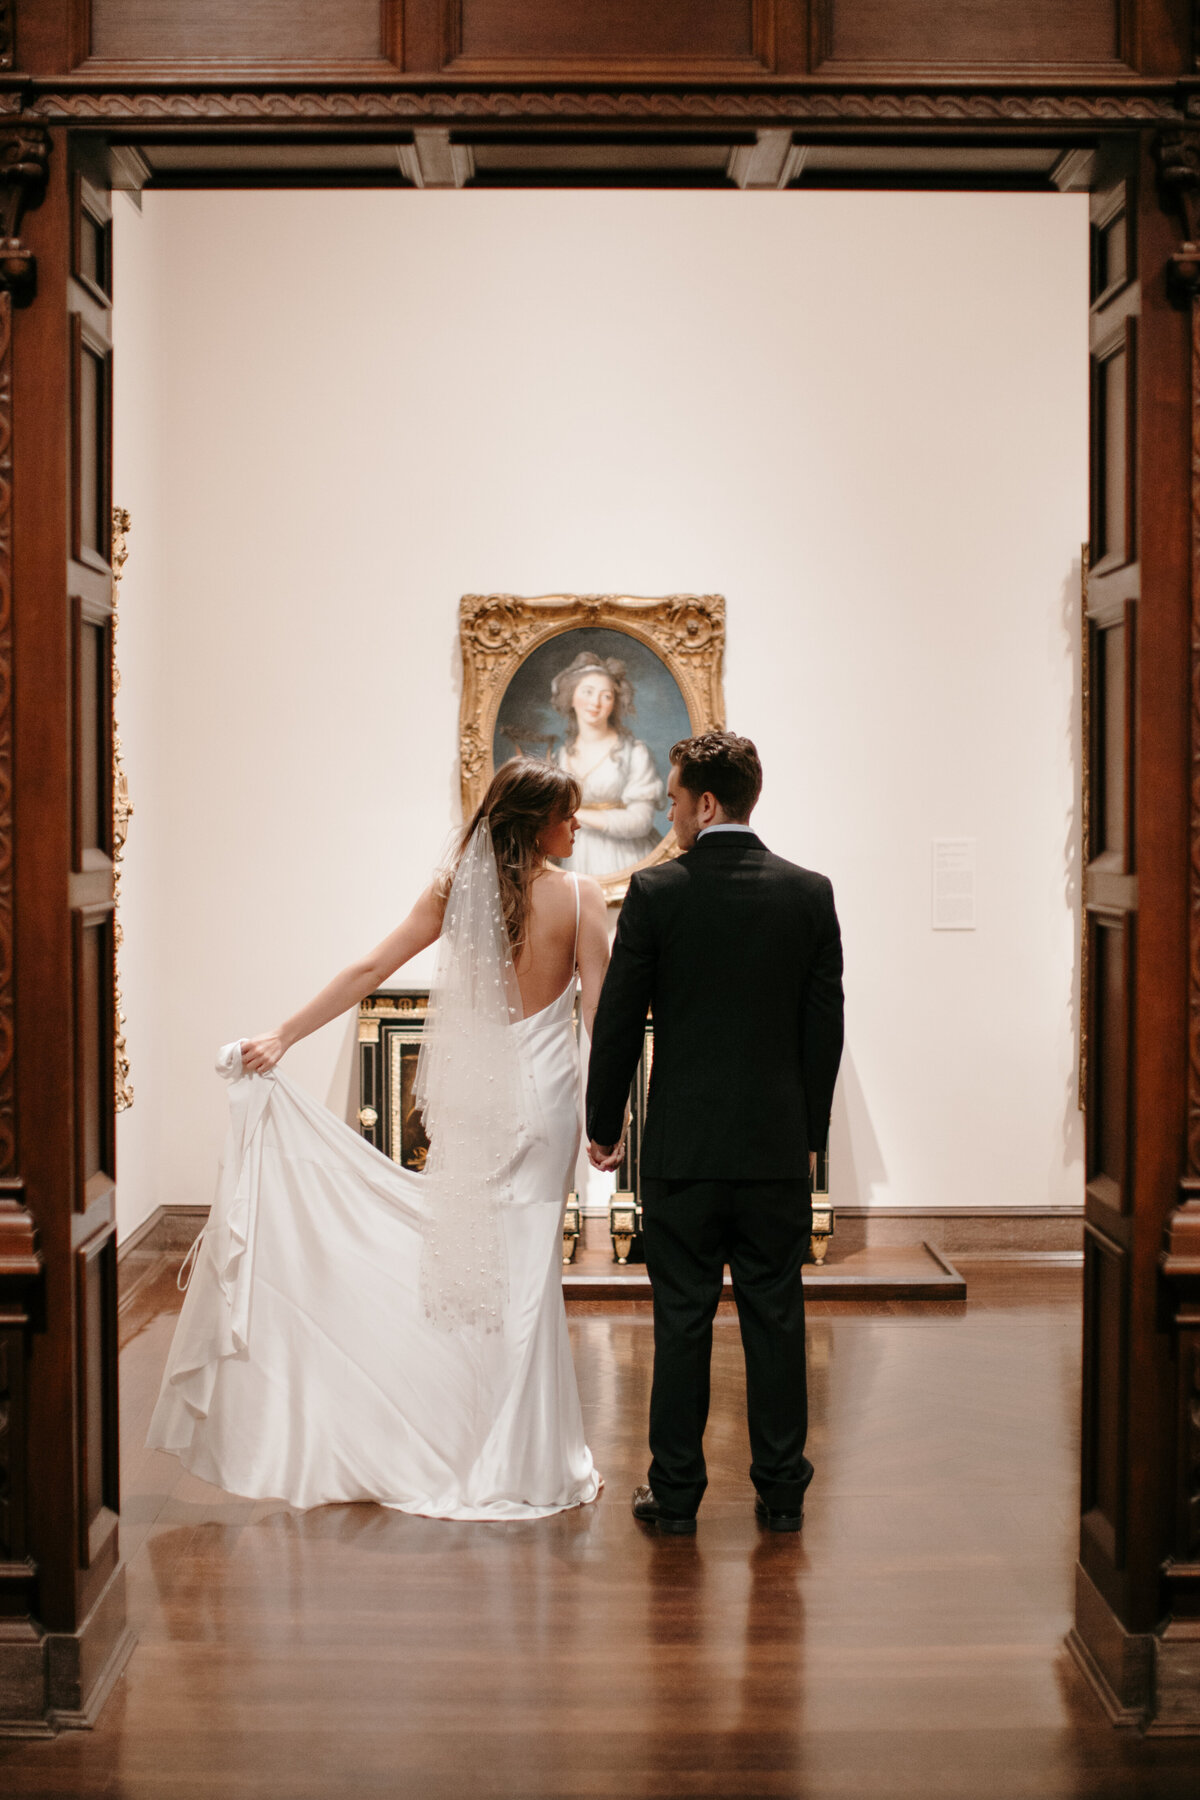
<point>620,784</point>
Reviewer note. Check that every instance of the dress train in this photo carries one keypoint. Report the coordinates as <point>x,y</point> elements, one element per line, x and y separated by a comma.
<point>304,1367</point>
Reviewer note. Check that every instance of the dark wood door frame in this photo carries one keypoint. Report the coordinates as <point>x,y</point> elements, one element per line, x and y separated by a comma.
<point>439,104</point>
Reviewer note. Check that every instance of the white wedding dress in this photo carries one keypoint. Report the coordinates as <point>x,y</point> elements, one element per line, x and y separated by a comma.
<point>306,1365</point>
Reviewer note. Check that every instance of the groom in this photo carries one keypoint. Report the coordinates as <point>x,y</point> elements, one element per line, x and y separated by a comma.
<point>738,955</point>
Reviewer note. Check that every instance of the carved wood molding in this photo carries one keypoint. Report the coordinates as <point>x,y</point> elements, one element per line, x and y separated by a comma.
<point>8,1147</point>
<point>1179,164</point>
<point>1178,157</point>
<point>801,106</point>
<point>1193,1086</point>
<point>1085,818</point>
<point>24,153</point>
<point>24,156</point>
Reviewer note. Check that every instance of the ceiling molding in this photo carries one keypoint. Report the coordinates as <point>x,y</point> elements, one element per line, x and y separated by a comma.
<point>272,106</point>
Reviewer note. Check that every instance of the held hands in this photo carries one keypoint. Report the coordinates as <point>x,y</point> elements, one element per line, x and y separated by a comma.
<point>605,1157</point>
<point>260,1054</point>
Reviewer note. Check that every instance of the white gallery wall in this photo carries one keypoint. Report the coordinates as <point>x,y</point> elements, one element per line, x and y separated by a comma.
<point>860,417</point>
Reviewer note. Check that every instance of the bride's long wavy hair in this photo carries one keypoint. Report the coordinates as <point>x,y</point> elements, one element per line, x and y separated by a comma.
<point>523,797</point>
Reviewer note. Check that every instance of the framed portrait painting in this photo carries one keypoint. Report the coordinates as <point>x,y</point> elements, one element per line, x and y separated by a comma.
<point>601,685</point>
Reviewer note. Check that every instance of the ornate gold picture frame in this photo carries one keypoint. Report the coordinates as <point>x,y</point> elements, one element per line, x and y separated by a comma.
<point>660,660</point>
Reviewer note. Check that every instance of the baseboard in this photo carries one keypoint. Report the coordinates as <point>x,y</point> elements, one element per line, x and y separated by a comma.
<point>60,1680</point>
<point>1042,1259</point>
<point>1118,1665</point>
<point>1093,1674</point>
<point>1017,1233</point>
<point>167,1228</point>
<point>85,1717</point>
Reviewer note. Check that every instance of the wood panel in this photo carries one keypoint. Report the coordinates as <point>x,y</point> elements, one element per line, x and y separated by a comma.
<point>94,1025</point>
<point>97,1415</point>
<point>233,31</point>
<point>973,34</point>
<point>91,442</point>
<point>63,892</point>
<point>493,35</point>
<point>91,735</point>
<point>1105,1397</point>
<point>14,1454</point>
<point>1111,662</point>
<point>1111,983</point>
<point>1136,587</point>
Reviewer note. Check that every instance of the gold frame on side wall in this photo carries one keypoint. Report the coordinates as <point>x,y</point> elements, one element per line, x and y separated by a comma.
<point>122,813</point>
<point>498,631</point>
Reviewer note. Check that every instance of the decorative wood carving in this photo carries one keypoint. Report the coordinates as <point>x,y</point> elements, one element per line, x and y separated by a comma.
<point>1193,1097</point>
<point>20,1267</point>
<point>1085,819</point>
<point>1190,1447</point>
<point>1178,156</point>
<point>912,107</point>
<point>6,34</point>
<point>12,1439</point>
<point>1179,168</point>
<point>24,154</point>
<point>23,159</point>
<point>122,813</point>
<point>7,1023</point>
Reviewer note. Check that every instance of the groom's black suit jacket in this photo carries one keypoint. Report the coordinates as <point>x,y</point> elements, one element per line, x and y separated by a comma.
<point>739,956</point>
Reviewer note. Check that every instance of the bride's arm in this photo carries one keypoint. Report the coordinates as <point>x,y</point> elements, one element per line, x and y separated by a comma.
<point>419,930</point>
<point>592,955</point>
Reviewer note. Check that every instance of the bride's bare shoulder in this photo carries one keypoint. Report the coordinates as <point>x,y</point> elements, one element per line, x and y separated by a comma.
<point>550,886</point>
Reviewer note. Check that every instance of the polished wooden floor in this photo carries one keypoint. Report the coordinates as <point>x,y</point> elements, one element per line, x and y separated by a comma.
<point>908,1643</point>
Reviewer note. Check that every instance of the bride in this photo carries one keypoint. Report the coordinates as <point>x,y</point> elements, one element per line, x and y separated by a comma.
<point>354,1331</point>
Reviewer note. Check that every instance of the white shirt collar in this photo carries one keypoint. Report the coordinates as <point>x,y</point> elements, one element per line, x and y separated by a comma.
<point>731,826</point>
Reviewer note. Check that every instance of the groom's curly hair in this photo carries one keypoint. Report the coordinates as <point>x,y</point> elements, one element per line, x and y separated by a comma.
<point>523,797</point>
<point>723,765</point>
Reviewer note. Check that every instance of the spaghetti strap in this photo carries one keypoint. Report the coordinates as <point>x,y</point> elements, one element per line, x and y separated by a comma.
<point>575,952</point>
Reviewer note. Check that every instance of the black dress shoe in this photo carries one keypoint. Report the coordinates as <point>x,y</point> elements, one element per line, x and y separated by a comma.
<point>647,1509</point>
<point>777,1521</point>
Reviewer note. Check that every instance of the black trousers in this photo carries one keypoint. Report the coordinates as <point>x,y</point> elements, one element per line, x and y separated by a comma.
<point>691,1229</point>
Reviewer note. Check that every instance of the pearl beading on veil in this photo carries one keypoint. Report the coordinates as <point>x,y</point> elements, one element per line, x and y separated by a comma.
<point>476,1093</point>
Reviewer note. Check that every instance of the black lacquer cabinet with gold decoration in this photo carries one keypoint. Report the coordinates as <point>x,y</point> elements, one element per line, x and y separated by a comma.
<point>390,1027</point>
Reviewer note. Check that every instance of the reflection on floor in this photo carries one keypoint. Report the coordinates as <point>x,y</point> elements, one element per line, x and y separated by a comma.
<point>908,1643</point>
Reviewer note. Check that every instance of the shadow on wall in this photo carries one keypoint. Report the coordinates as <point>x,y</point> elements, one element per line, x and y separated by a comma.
<point>856,1168</point>
<point>1073,872</point>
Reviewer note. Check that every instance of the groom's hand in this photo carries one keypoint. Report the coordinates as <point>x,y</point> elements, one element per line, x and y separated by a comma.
<point>606,1157</point>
